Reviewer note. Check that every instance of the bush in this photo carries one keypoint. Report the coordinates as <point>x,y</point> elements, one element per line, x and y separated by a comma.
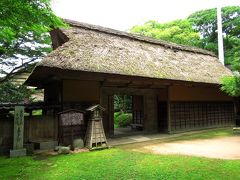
<point>122,119</point>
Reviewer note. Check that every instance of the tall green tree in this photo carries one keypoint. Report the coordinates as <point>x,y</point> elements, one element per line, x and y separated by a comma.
<point>24,37</point>
<point>205,22</point>
<point>231,84</point>
<point>199,29</point>
<point>179,31</point>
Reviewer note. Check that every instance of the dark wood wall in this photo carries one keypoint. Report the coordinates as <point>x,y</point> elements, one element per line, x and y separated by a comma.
<point>186,105</point>
<point>41,128</point>
<point>36,128</point>
<point>197,115</point>
<point>6,135</point>
<point>197,93</point>
<point>52,93</point>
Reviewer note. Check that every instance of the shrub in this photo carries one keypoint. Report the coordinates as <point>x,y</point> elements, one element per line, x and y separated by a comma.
<point>122,119</point>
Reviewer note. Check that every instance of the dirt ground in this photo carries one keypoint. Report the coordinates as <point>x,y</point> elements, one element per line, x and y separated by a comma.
<point>221,148</point>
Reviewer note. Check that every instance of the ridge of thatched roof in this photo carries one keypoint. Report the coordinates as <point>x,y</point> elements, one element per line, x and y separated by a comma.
<point>137,37</point>
<point>93,48</point>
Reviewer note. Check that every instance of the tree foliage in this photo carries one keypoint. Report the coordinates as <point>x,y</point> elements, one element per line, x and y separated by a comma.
<point>11,93</point>
<point>231,84</point>
<point>24,37</point>
<point>200,29</point>
<point>179,31</point>
<point>122,103</point>
<point>205,22</point>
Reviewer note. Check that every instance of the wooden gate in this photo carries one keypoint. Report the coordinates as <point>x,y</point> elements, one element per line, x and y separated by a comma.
<point>71,126</point>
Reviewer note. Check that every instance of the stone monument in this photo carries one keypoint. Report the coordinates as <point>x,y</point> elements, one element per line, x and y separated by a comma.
<point>18,149</point>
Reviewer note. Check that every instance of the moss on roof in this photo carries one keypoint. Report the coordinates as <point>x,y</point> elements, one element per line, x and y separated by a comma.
<point>96,49</point>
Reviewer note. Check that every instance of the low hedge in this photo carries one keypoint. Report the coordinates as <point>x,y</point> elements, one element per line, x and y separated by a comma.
<point>122,119</point>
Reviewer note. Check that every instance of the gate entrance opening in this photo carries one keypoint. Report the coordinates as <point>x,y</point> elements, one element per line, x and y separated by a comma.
<point>128,114</point>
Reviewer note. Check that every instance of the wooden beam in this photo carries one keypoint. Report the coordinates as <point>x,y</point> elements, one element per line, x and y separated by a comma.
<point>42,73</point>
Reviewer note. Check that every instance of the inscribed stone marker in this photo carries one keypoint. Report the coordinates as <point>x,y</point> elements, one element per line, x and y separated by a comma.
<point>18,149</point>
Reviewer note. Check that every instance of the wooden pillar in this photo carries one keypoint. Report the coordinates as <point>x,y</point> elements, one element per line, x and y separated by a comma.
<point>27,128</point>
<point>236,111</point>
<point>111,114</point>
<point>61,94</point>
<point>104,102</point>
<point>169,110</point>
<point>150,111</point>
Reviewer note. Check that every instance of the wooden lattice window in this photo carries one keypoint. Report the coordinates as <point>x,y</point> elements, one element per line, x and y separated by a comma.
<point>192,115</point>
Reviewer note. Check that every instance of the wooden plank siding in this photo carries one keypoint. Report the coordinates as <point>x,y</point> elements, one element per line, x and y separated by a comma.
<point>198,115</point>
<point>6,135</point>
<point>37,128</point>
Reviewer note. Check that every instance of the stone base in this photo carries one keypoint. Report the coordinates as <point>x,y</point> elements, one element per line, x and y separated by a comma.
<point>45,145</point>
<point>78,143</point>
<point>236,130</point>
<point>48,145</point>
<point>63,150</point>
<point>18,152</point>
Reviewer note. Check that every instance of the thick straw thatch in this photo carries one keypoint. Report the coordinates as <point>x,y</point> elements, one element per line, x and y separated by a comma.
<point>97,49</point>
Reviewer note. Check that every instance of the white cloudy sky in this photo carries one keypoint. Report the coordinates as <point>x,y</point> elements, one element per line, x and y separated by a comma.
<point>123,14</point>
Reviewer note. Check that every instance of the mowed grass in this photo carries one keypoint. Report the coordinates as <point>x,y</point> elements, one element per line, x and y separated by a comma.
<point>119,163</point>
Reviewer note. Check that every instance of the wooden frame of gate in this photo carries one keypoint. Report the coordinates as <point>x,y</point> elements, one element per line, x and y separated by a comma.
<point>71,125</point>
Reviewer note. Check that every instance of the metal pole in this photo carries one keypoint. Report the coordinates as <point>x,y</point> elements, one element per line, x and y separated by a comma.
<point>220,35</point>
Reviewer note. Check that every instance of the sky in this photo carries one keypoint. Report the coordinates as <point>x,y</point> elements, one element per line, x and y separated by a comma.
<point>124,14</point>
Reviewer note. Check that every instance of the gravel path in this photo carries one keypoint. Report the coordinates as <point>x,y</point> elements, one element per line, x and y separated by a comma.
<point>221,148</point>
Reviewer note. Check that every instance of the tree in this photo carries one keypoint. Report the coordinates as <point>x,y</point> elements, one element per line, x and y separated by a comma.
<point>200,29</point>
<point>205,22</point>
<point>24,37</point>
<point>122,103</point>
<point>231,84</point>
<point>11,93</point>
<point>179,31</point>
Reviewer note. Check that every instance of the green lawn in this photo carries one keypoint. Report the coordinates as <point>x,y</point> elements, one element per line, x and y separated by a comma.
<point>119,163</point>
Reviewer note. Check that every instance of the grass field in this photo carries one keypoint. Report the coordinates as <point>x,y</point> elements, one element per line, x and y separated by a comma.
<point>118,163</point>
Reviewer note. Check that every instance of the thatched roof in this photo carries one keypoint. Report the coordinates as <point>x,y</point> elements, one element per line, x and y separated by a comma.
<point>96,49</point>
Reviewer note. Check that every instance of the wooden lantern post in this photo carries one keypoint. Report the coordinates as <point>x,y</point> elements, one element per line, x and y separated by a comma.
<point>95,136</point>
